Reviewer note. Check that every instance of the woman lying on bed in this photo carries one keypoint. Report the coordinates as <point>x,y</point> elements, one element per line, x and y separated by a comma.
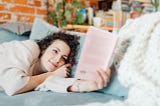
<point>27,64</point>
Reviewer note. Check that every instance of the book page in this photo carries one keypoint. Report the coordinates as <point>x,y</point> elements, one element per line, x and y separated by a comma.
<point>96,52</point>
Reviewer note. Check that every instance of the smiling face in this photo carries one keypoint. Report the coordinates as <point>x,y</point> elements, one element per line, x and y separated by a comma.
<point>54,56</point>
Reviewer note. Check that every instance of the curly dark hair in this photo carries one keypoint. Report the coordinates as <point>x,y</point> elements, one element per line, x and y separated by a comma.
<point>71,40</point>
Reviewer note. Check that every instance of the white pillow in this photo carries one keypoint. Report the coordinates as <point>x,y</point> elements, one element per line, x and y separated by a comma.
<point>40,29</point>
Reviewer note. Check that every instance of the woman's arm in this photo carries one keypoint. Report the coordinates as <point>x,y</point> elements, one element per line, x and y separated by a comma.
<point>33,82</point>
<point>78,86</point>
<point>102,78</point>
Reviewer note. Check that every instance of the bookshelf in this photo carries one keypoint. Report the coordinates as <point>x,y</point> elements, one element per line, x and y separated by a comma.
<point>108,20</point>
<point>114,19</point>
<point>117,18</point>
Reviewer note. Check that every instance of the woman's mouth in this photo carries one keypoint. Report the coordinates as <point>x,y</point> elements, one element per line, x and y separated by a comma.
<point>52,64</point>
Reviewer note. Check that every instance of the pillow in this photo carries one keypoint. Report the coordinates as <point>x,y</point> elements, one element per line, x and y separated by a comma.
<point>6,36</point>
<point>41,29</point>
<point>15,27</point>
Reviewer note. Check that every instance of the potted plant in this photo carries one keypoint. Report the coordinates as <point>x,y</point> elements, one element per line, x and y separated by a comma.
<point>65,11</point>
<point>155,3</point>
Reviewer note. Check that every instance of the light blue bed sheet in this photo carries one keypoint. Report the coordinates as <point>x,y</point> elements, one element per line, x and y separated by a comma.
<point>38,98</point>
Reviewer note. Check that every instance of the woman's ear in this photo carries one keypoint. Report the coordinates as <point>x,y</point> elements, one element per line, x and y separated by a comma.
<point>41,53</point>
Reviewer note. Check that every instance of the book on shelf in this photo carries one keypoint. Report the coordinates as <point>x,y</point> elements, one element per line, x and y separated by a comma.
<point>114,19</point>
<point>96,53</point>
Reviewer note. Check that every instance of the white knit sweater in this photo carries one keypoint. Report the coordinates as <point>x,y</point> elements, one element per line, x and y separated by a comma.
<point>138,53</point>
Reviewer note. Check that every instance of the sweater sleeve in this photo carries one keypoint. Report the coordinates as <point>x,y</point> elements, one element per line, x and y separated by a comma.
<point>15,64</point>
<point>13,79</point>
<point>56,84</point>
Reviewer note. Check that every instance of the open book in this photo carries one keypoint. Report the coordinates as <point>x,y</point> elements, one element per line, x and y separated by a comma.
<point>96,52</point>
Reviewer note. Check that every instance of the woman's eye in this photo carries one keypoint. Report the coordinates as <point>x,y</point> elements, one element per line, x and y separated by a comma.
<point>64,59</point>
<point>55,51</point>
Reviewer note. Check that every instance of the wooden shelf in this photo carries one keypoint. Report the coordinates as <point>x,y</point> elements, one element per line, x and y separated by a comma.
<point>143,1</point>
<point>69,26</point>
<point>106,28</point>
<point>82,28</point>
<point>78,28</point>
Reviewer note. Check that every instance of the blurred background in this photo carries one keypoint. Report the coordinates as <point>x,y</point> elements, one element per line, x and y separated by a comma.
<point>106,14</point>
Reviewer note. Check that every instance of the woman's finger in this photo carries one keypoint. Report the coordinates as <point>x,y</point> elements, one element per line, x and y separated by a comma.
<point>108,72</point>
<point>104,76</point>
<point>67,65</point>
<point>68,74</point>
<point>67,70</point>
<point>99,80</point>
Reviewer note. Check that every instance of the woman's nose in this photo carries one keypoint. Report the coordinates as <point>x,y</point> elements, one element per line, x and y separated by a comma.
<point>57,59</point>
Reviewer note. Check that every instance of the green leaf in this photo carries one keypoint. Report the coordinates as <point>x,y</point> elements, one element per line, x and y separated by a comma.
<point>63,23</point>
<point>59,6</point>
<point>67,13</point>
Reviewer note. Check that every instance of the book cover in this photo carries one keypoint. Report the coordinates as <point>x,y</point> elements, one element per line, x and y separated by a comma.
<point>96,52</point>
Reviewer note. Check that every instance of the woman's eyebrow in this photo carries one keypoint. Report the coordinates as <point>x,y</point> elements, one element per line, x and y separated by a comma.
<point>57,48</point>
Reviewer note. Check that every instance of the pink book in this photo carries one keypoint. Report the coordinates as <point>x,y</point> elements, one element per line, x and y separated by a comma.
<point>96,52</point>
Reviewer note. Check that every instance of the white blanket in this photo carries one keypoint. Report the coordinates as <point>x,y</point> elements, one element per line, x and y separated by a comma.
<point>139,55</point>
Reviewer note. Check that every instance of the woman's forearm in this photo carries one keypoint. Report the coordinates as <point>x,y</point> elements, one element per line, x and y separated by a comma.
<point>33,82</point>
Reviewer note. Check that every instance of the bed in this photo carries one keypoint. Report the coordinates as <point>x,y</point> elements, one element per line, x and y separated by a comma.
<point>40,28</point>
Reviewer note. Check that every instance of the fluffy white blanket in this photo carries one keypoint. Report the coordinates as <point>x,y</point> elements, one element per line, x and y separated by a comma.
<point>139,55</point>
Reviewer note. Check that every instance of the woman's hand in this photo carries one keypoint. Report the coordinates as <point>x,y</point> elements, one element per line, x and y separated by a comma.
<point>62,71</point>
<point>101,80</point>
<point>103,77</point>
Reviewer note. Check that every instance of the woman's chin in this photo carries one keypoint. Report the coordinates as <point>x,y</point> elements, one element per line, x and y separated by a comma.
<point>50,68</point>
